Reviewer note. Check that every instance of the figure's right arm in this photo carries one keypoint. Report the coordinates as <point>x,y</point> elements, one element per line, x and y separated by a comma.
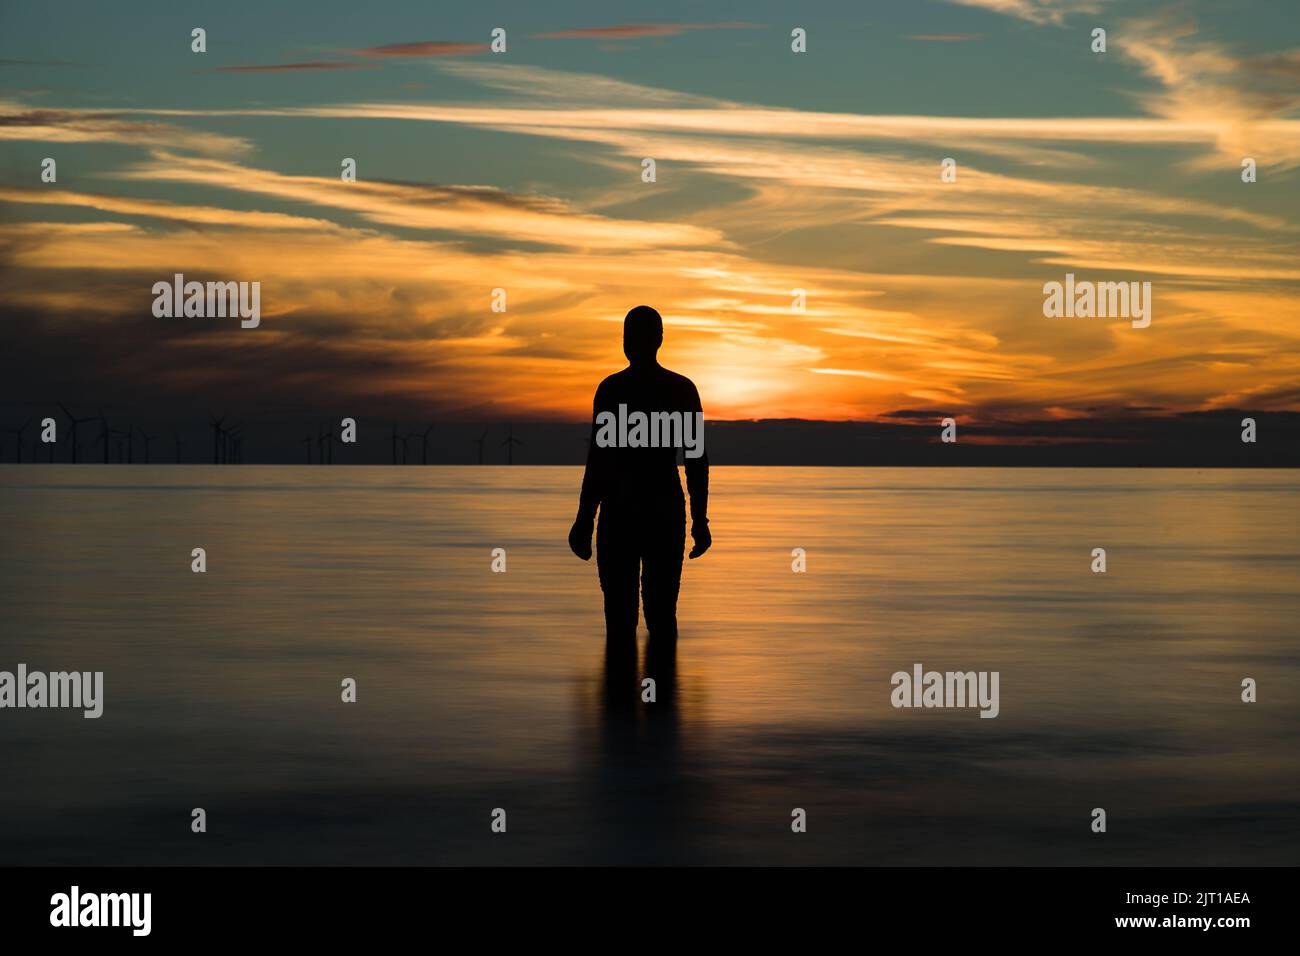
<point>592,486</point>
<point>593,474</point>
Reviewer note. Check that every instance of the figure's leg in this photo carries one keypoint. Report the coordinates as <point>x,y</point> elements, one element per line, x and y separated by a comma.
<point>621,687</point>
<point>618,563</point>
<point>661,573</point>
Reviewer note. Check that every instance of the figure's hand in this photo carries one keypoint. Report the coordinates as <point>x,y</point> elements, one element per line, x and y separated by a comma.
<point>580,538</point>
<point>700,535</point>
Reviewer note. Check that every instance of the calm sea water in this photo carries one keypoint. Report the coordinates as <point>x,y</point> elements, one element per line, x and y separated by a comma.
<point>479,690</point>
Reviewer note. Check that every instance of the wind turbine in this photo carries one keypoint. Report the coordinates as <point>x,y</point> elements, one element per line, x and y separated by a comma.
<point>146,438</point>
<point>216,434</point>
<point>326,438</point>
<point>479,441</point>
<point>18,433</point>
<point>307,441</point>
<point>510,443</point>
<point>116,438</point>
<point>105,434</point>
<point>424,437</point>
<point>177,436</point>
<point>120,436</point>
<point>394,443</point>
<point>231,439</point>
<point>75,422</point>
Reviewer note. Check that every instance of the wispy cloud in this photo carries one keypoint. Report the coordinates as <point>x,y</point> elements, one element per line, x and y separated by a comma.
<point>553,102</point>
<point>21,122</point>
<point>535,84</point>
<point>990,134</point>
<point>629,31</point>
<point>1035,11</point>
<point>425,48</point>
<point>1253,99</point>
<point>467,210</point>
<point>157,209</point>
<point>316,65</point>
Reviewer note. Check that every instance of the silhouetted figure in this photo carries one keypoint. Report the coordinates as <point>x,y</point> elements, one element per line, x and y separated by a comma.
<point>642,531</point>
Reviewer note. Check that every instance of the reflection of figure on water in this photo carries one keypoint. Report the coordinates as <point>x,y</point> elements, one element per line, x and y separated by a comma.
<point>646,797</point>
<point>639,713</point>
<point>625,694</point>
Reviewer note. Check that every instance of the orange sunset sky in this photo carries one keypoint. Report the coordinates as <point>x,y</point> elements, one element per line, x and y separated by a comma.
<point>776,171</point>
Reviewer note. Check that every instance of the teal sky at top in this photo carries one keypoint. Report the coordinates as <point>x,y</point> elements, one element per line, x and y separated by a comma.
<point>860,56</point>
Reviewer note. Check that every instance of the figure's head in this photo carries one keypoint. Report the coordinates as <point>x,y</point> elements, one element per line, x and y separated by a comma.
<point>643,333</point>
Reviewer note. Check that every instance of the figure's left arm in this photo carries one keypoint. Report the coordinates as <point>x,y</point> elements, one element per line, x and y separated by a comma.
<point>697,486</point>
<point>594,478</point>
